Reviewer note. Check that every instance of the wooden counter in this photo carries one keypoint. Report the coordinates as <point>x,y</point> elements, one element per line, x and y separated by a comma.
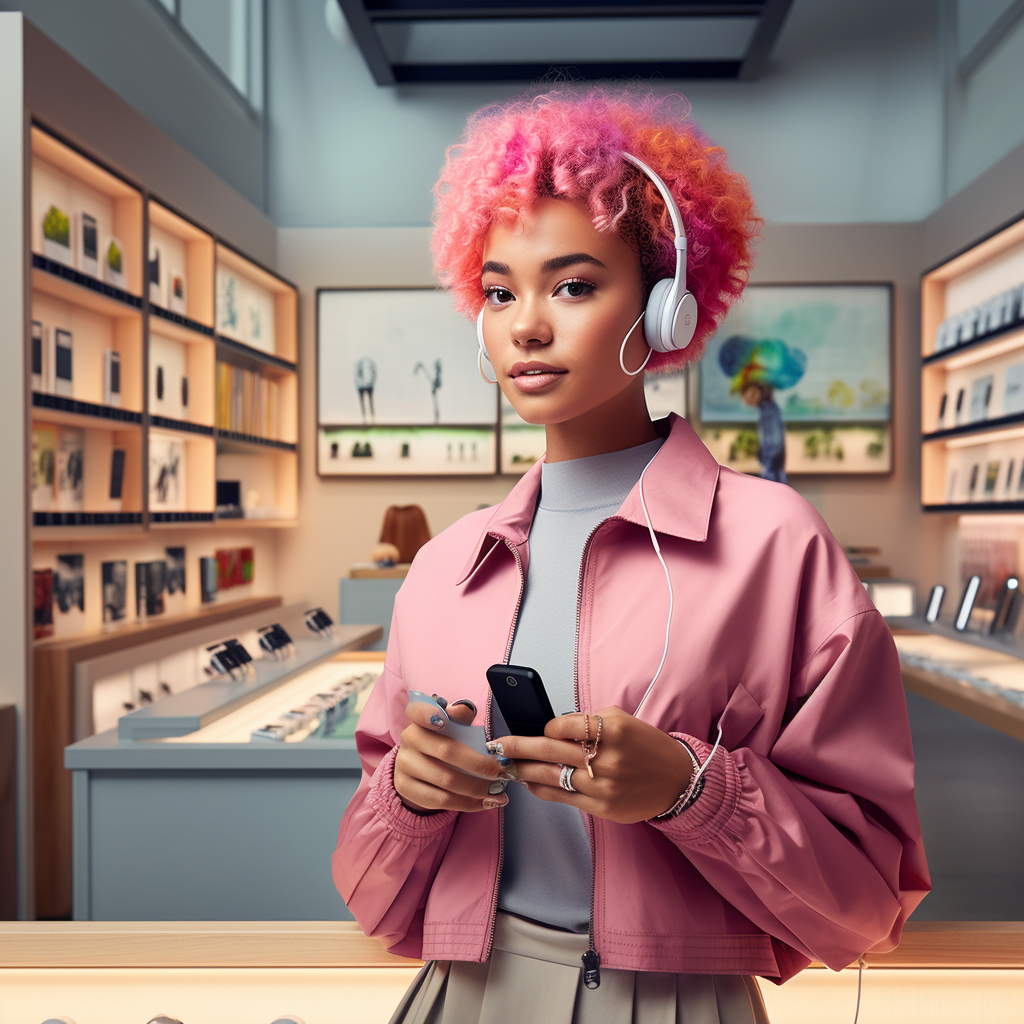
<point>325,972</point>
<point>929,944</point>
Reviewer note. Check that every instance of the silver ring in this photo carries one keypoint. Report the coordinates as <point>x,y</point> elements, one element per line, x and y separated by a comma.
<point>565,778</point>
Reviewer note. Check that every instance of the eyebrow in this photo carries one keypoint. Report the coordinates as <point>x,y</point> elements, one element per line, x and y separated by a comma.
<point>555,263</point>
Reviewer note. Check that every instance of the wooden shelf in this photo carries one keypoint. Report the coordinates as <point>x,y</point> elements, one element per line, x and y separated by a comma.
<point>182,518</point>
<point>1007,339</point>
<point>255,524</point>
<point>177,326</point>
<point>184,426</point>
<point>47,519</point>
<point>75,413</point>
<point>230,440</point>
<point>969,507</point>
<point>63,282</point>
<point>979,428</point>
<point>251,358</point>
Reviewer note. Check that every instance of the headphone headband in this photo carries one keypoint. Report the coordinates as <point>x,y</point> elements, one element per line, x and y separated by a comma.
<point>672,207</point>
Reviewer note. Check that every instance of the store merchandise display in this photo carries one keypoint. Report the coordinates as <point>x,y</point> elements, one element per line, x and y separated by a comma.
<point>113,262</point>
<point>176,293</point>
<point>42,590</point>
<point>87,244</point>
<point>44,463</point>
<point>114,581</point>
<point>57,236</point>
<point>247,402</point>
<point>1000,313</point>
<point>70,469</point>
<point>207,580</point>
<point>166,473</point>
<point>112,377</point>
<point>156,292</point>
<point>63,363</point>
<point>324,716</point>
<point>69,583</point>
<point>235,567</point>
<point>150,584</point>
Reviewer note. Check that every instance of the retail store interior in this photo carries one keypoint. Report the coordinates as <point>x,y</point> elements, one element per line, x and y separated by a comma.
<point>215,223</point>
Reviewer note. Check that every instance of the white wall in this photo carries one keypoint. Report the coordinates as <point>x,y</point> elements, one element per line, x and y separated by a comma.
<point>846,125</point>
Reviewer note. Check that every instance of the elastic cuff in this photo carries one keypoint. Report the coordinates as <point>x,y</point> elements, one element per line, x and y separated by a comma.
<point>397,818</point>
<point>703,820</point>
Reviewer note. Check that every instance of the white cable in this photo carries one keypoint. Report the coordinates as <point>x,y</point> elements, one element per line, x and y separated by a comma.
<point>633,373</point>
<point>668,625</point>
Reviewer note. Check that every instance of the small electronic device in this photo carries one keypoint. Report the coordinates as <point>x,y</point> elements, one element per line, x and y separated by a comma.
<point>1005,617</point>
<point>931,613</point>
<point>958,413</point>
<point>229,658</point>
<point>88,245</point>
<point>184,392</point>
<point>156,293</point>
<point>159,384</point>
<point>472,735</point>
<point>37,355</point>
<point>963,615</point>
<point>63,384</point>
<point>112,377</point>
<point>229,499</point>
<point>942,409</point>
<point>520,695</point>
<point>319,621</point>
<point>116,473</point>
<point>274,639</point>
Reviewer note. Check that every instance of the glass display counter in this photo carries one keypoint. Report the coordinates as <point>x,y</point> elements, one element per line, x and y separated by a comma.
<point>222,802</point>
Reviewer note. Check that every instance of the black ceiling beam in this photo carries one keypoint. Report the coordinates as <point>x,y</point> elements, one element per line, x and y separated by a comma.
<point>408,74</point>
<point>478,12</point>
<point>765,35</point>
<point>365,36</point>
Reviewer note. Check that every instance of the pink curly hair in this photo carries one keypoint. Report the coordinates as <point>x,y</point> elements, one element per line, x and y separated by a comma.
<point>568,144</point>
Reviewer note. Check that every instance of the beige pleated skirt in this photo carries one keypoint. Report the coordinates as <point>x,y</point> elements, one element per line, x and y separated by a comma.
<point>534,974</point>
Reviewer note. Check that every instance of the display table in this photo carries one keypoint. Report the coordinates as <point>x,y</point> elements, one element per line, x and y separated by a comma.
<point>979,676</point>
<point>328,972</point>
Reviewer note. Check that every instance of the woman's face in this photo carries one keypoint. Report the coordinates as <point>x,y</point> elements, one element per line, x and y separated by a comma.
<point>561,296</point>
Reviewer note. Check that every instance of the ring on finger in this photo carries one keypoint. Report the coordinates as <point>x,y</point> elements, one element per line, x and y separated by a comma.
<point>565,778</point>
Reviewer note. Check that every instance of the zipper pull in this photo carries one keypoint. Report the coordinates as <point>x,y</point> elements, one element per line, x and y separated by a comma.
<point>591,969</point>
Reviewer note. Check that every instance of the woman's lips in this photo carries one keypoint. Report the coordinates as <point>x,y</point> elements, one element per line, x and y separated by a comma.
<point>530,383</point>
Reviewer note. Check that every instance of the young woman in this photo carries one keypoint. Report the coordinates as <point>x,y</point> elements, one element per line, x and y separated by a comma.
<point>727,787</point>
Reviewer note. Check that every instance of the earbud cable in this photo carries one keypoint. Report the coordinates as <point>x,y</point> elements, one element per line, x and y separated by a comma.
<point>668,623</point>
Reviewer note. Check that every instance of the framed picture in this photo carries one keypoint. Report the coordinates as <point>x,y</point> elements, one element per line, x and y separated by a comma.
<point>815,358</point>
<point>398,389</point>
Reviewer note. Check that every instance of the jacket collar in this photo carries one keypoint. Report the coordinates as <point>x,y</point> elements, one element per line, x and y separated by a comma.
<point>679,489</point>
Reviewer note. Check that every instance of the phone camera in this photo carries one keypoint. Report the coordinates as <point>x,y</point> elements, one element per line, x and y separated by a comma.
<point>511,680</point>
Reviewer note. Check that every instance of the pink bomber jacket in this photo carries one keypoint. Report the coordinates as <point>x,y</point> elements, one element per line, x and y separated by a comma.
<point>805,843</point>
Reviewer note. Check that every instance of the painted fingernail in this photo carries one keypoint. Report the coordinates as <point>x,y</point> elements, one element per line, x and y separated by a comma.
<point>496,787</point>
<point>440,700</point>
<point>495,748</point>
<point>436,720</point>
<point>509,776</point>
<point>469,704</point>
<point>492,803</point>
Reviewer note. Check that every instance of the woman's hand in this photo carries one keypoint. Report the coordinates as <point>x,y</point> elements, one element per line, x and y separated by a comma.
<point>427,775</point>
<point>639,771</point>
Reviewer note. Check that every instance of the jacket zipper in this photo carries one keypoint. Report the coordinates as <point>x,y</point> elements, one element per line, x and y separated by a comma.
<point>591,959</point>
<point>490,735</point>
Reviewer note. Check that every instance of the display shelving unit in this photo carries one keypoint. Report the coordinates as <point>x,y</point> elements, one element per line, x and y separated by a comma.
<point>173,337</point>
<point>972,390</point>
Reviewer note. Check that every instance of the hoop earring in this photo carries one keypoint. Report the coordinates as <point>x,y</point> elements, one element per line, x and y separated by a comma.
<point>622,349</point>
<point>480,367</point>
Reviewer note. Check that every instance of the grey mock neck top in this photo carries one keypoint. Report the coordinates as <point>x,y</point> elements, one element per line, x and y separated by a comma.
<point>547,866</point>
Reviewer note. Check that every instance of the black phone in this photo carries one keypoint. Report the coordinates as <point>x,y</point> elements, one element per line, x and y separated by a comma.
<point>520,695</point>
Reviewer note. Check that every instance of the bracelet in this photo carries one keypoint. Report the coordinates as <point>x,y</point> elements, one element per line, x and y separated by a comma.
<point>689,795</point>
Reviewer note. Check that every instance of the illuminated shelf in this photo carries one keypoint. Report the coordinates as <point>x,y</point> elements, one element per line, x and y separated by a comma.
<point>180,321</point>
<point>979,428</point>
<point>77,413</point>
<point>86,518</point>
<point>233,437</point>
<point>254,354</point>
<point>185,426</point>
<point>65,282</point>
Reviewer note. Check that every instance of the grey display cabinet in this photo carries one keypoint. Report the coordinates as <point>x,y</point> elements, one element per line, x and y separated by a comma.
<point>178,815</point>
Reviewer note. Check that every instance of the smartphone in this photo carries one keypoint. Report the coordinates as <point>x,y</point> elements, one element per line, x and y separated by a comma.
<point>520,695</point>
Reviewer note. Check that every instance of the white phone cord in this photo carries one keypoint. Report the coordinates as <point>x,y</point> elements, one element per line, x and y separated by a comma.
<point>668,625</point>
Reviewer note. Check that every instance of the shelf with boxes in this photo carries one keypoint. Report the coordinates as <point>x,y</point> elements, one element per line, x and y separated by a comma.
<point>256,393</point>
<point>972,378</point>
<point>164,361</point>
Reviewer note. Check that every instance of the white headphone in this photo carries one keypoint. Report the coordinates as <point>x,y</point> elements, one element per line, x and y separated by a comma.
<point>670,318</point>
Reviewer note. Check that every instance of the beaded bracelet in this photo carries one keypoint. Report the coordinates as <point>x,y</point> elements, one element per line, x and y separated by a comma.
<point>689,795</point>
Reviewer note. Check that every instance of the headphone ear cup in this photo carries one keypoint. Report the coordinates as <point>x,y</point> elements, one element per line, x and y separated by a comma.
<point>655,315</point>
<point>684,321</point>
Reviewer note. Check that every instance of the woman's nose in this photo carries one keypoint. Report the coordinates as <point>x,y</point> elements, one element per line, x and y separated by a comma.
<point>530,326</point>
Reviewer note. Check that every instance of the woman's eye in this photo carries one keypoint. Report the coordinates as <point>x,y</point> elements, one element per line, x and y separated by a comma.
<point>498,296</point>
<point>575,289</point>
